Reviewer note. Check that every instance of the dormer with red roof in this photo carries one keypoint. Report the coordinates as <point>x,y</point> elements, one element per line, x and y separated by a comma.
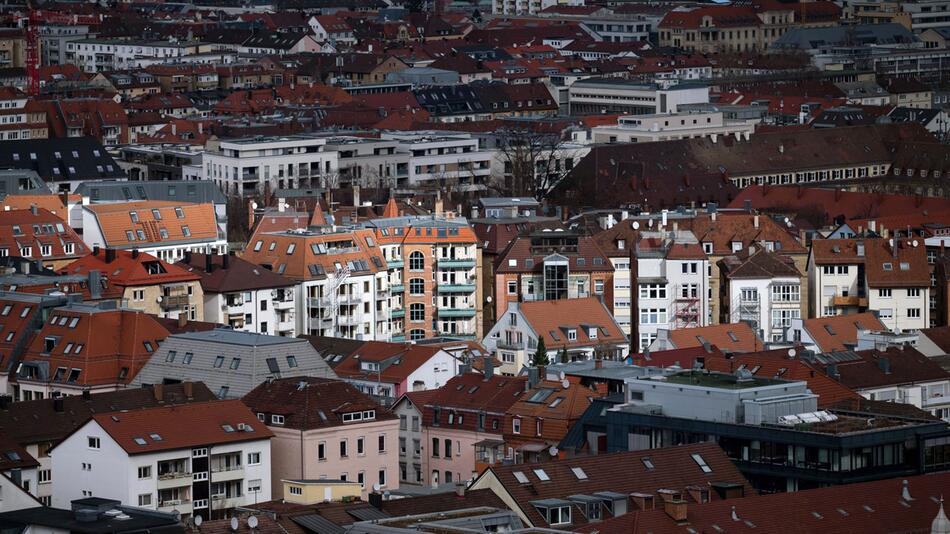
<point>38,234</point>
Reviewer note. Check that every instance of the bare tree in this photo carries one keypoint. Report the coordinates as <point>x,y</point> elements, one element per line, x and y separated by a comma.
<point>534,162</point>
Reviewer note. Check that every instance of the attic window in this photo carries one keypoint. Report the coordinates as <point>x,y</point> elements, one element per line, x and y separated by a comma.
<point>579,473</point>
<point>830,330</point>
<point>542,475</point>
<point>905,266</point>
<point>218,362</point>
<point>520,477</point>
<point>134,216</point>
<point>140,441</point>
<point>556,401</point>
<point>572,335</point>
<point>732,336</point>
<point>648,463</point>
<point>227,428</point>
<point>888,266</point>
<point>698,458</point>
<point>148,346</point>
<point>155,437</point>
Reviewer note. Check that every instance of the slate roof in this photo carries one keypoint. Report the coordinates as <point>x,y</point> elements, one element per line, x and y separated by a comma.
<point>940,336</point>
<point>64,520</point>
<point>199,191</point>
<point>166,428</point>
<point>240,274</point>
<point>311,403</point>
<point>81,158</point>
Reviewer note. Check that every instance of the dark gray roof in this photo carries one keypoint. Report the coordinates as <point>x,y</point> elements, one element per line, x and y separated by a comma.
<point>500,202</point>
<point>21,182</point>
<point>198,191</point>
<point>317,524</point>
<point>80,158</point>
<point>920,116</point>
<point>859,34</point>
<point>367,514</point>
<point>139,520</point>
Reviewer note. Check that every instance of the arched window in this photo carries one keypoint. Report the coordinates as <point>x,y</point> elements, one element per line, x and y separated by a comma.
<point>416,261</point>
<point>417,286</point>
<point>417,334</point>
<point>417,312</point>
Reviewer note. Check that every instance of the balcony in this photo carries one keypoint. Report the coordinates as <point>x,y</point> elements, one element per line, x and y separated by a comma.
<point>286,326</point>
<point>284,304</point>
<point>456,312</point>
<point>510,345</point>
<point>182,505</point>
<point>456,263</point>
<point>224,473</point>
<point>397,314</point>
<point>457,288</point>
<point>849,300</point>
<point>174,480</point>
<point>174,302</point>
<point>397,288</point>
<point>318,302</point>
<point>398,338</point>
<point>395,264</point>
<point>349,320</point>
<point>350,298</point>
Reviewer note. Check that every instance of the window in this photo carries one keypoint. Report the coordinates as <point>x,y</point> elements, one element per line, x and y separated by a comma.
<point>416,261</point>
<point>512,287</point>
<point>277,419</point>
<point>884,293</point>
<point>253,458</point>
<point>516,426</point>
<point>145,499</point>
<point>45,476</point>
<point>291,361</point>
<point>417,286</point>
<point>322,451</point>
<point>254,486</point>
<point>701,463</point>
<point>382,477</point>
<point>913,292</point>
<point>235,363</point>
<point>296,490</point>
<point>653,316</point>
<point>359,446</point>
<point>145,472</point>
<point>93,442</point>
<point>417,312</point>
<point>343,451</point>
<point>560,515</point>
<point>652,291</point>
<point>913,313</point>
<point>218,361</point>
<point>382,443</point>
<point>786,293</point>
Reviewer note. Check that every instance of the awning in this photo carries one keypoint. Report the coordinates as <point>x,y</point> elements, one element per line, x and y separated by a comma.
<point>534,447</point>
<point>489,443</point>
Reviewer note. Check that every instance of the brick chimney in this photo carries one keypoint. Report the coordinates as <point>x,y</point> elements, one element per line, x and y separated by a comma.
<point>676,510</point>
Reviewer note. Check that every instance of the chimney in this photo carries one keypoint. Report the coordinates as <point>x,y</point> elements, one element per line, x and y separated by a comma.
<point>598,364</point>
<point>460,490</point>
<point>439,207</point>
<point>872,225</point>
<point>905,491</point>
<point>209,263</point>
<point>182,320</point>
<point>356,196</point>
<point>755,221</point>
<point>135,253</point>
<point>489,369</point>
<point>643,501</point>
<point>884,364</point>
<point>376,499</point>
<point>86,394</point>
<point>676,510</point>
<point>110,255</point>
<point>663,218</point>
<point>189,388</point>
<point>226,260</point>
<point>280,205</point>
<point>58,405</point>
<point>533,374</point>
<point>95,250</point>
<point>33,209</point>
<point>158,392</point>
<point>95,284</point>
<point>250,214</point>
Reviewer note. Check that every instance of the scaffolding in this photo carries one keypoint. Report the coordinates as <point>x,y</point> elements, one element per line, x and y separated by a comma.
<point>686,306</point>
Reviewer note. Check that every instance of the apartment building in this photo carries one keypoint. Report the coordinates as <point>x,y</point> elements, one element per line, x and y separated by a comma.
<point>230,362</point>
<point>441,159</point>
<point>244,296</point>
<point>165,229</point>
<point>763,289</point>
<point>408,408</point>
<point>53,41</point>
<point>608,95</point>
<point>342,280</point>
<point>83,347</point>
<point>370,162</point>
<point>145,282</point>
<point>38,425</point>
<point>551,264</point>
<point>39,234</point>
<point>199,459</point>
<point>670,126</point>
<point>569,329</point>
<point>252,165</point>
<point>388,370</point>
<point>98,55</point>
<point>433,269</point>
<point>19,118</point>
<point>327,429</point>
<point>888,276</point>
<point>23,314</point>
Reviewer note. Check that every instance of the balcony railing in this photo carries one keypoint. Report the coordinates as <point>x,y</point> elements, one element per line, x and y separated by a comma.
<point>174,475</point>
<point>397,288</point>
<point>849,300</point>
<point>456,263</point>
<point>395,264</point>
<point>456,312</point>
<point>174,302</point>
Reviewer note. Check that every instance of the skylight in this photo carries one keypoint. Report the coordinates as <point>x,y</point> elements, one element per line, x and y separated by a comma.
<point>542,475</point>
<point>229,428</point>
<point>698,458</point>
<point>520,477</point>
<point>155,437</point>
<point>140,441</point>
<point>579,473</point>
<point>648,463</point>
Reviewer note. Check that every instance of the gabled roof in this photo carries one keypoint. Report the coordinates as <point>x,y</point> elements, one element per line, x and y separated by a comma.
<point>14,456</point>
<point>37,229</point>
<point>551,320</point>
<point>840,332</point>
<point>405,359</point>
<point>130,268</point>
<point>759,265</point>
<point>892,367</point>
<point>730,338</point>
<point>311,403</point>
<point>587,257</point>
<point>303,255</point>
<point>475,392</point>
<point>81,158</point>
<point>239,275</point>
<point>673,468</point>
<point>154,222</point>
<point>178,427</point>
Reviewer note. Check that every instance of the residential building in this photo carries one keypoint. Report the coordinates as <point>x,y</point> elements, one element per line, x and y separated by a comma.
<point>18,476</point>
<point>833,333</point>
<point>94,347</point>
<point>388,370</point>
<point>38,425</point>
<point>728,338</point>
<point>24,314</point>
<point>38,234</point>
<point>597,96</point>
<point>462,425</point>
<point>888,276</point>
<point>571,330</point>
<point>231,362</point>
<point>770,428</point>
<point>668,126</point>
<point>19,117</point>
<point>97,55</point>
<point>370,162</point>
<point>94,514</point>
<point>342,287</point>
<point>327,429</point>
<point>202,458</point>
<point>147,283</point>
<point>551,264</point>
<point>763,289</point>
<point>252,165</point>
<point>164,229</point>
<point>433,268</point>
<point>62,163</point>
<point>244,296</point>
<point>440,158</point>
<point>573,493</point>
<point>409,409</point>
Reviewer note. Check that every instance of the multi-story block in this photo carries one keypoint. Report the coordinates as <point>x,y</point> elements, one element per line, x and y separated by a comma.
<point>98,55</point>
<point>243,296</point>
<point>252,165</point>
<point>551,265</point>
<point>888,276</point>
<point>409,409</point>
<point>20,118</point>
<point>230,362</point>
<point>199,459</point>
<point>609,95</point>
<point>87,347</point>
<point>145,282</point>
<point>438,158</point>
<point>670,126</point>
<point>38,425</point>
<point>327,429</point>
<point>41,235</point>
<point>570,329</point>
<point>342,287</point>
<point>433,268</point>
<point>165,229</point>
<point>763,289</point>
<point>370,162</point>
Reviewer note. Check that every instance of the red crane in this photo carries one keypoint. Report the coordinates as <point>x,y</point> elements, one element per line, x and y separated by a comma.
<point>38,17</point>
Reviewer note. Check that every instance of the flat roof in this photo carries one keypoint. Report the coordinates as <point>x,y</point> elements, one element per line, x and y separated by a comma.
<point>721,380</point>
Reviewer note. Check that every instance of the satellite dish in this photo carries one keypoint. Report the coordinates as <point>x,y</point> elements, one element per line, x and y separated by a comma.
<point>253,205</point>
<point>792,353</point>
<point>560,376</point>
<point>234,523</point>
<point>650,223</point>
<point>252,521</point>
<point>565,383</point>
<point>915,243</point>
<point>198,520</point>
<point>635,225</point>
<point>158,299</point>
<point>488,298</point>
<point>376,487</point>
<point>553,451</point>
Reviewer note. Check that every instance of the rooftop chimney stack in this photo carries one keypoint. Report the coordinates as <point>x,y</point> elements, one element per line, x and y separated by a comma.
<point>209,263</point>
<point>489,369</point>
<point>110,255</point>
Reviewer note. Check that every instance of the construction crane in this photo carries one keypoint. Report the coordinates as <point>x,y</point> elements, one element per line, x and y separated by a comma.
<point>36,18</point>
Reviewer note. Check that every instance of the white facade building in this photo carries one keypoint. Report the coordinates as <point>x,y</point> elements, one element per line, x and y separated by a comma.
<point>762,289</point>
<point>670,126</point>
<point>436,157</point>
<point>97,55</point>
<point>246,166</point>
<point>153,459</point>
<point>605,95</point>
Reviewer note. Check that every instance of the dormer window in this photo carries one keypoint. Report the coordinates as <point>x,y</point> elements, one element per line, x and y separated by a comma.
<point>592,332</point>
<point>370,366</point>
<point>572,334</point>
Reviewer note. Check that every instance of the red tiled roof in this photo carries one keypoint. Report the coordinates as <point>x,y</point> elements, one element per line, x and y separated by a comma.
<point>891,367</point>
<point>20,229</point>
<point>737,337</point>
<point>832,333</point>
<point>130,268</point>
<point>311,403</point>
<point>551,318</point>
<point>411,358</point>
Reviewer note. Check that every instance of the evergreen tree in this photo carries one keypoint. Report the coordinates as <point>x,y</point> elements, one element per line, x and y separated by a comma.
<point>564,356</point>
<point>541,354</point>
